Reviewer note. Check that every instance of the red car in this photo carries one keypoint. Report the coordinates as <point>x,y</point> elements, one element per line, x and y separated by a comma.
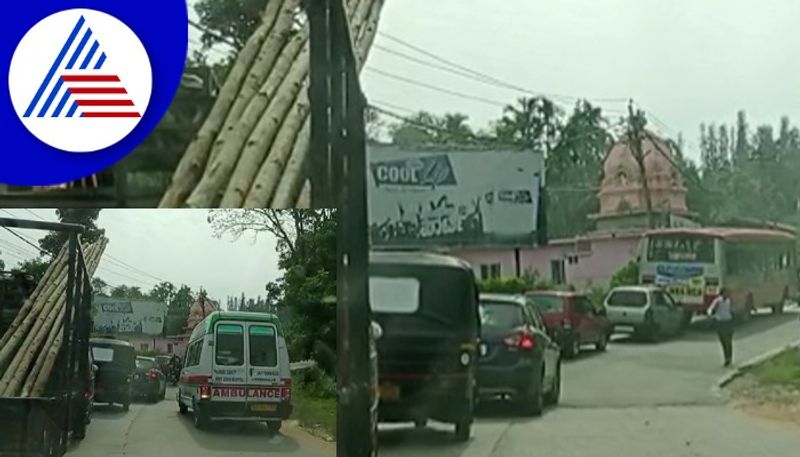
<point>571,320</point>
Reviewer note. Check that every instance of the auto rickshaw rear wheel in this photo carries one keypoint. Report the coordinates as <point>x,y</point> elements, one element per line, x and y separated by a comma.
<point>463,430</point>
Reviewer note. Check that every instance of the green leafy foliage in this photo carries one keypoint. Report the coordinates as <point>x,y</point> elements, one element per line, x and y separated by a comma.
<point>513,285</point>
<point>306,246</point>
<point>87,217</point>
<point>35,267</point>
<point>628,275</point>
<point>229,20</point>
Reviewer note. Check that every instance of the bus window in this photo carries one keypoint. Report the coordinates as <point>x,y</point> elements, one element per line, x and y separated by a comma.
<point>671,248</point>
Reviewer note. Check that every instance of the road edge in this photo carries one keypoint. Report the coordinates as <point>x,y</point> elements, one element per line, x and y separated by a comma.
<point>740,369</point>
<point>296,431</point>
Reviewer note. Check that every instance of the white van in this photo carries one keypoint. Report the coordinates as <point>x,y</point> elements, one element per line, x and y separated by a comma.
<point>236,368</point>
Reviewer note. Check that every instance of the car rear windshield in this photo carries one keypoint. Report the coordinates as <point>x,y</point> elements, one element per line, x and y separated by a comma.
<point>627,298</point>
<point>548,303</point>
<point>500,315</point>
<point>145,364</point>
<point>229,346</point>
<point>117,357</point>
<point>263,346</point>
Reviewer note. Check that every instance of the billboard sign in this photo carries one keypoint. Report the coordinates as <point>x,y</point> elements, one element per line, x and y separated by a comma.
<point>123,316</point>
<point>452,198</point>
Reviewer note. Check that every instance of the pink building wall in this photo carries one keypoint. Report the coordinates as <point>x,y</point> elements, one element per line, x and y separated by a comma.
<point>164,345</point>
<point>593,267</point>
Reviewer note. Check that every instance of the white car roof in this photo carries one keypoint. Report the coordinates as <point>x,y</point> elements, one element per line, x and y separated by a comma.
<point>642,288</point>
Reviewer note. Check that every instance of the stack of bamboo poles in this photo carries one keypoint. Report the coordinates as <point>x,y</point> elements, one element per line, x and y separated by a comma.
<point>252,149</point>
<point>30,346</point>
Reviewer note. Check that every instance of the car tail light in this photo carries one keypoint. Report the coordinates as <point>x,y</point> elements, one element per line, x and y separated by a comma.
<point>153,374</point>
<point>286,390</point>
<point>648,279</point>
<point>205,392</point>
<point>520,339</point>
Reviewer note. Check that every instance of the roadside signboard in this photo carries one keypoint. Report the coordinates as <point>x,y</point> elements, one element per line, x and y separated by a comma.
<point>452,198</point>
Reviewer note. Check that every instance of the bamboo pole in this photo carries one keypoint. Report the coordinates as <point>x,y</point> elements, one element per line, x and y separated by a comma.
<point>17,371</point>
<point>55,330</point>
<point>194,159</point>
<point>279,126</point>
<point>293,176</point>
<point>27,350</point>
<point>14,340</point>
<point>282,84</point>
<point>52,351</point>
<point>260,71</point>
<point>26,307</point>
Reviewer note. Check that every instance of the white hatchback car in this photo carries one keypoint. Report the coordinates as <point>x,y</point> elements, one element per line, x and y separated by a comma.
<point>647,311</point>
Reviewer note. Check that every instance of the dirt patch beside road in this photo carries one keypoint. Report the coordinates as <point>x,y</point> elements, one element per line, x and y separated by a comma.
<point>771,391</point>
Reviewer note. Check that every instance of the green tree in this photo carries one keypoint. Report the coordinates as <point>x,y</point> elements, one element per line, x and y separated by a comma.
<point>573,171</point>
<point>306,246</point>
<point>229,20</point>
<point>163,292</point>
<point>424,128</point>
<point>178,310</point>
<point>533,123</point>
<point>87,217</point>
<point>99,286</point>
<point>129,292</point>
<point>35,267</point>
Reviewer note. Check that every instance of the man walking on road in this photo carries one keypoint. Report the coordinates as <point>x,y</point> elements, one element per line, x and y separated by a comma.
<point>720,312</point>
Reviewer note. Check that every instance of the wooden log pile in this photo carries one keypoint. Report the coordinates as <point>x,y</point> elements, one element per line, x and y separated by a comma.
<point>252,149</point>
<point>30,346</point>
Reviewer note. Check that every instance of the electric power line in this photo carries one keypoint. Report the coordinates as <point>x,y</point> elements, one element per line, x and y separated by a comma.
<point>436,88</point>
<point>107,269</point>
<point>35,215</point>
<point>26,241</point>
<point>487,77</point>
<point>130,267</point>
<point>17,248</point>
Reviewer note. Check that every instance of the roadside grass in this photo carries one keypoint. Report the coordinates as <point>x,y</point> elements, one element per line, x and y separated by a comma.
<point>781,370</point>
<point>314,410</point>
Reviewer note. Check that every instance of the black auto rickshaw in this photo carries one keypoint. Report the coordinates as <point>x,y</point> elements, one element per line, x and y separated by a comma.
<point>427,307</point>
<point>116,362</point>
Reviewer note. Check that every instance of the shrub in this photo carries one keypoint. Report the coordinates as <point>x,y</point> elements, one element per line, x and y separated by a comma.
<point>513,285</point>
<point>628,275</point>
<point>316,383</point>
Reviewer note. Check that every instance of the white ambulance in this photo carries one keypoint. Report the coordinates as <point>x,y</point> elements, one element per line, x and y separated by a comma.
<point>236,368</point>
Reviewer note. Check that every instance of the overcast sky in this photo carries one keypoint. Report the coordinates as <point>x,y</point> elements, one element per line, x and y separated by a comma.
<point>684,61</point>
<point>176,245</point>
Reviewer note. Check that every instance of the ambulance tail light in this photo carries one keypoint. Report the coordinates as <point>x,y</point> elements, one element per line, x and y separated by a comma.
<point>286,390</point>
<point>205,392</point>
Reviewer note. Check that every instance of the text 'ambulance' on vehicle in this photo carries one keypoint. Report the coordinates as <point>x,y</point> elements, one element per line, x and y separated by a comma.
<point>236,368</point>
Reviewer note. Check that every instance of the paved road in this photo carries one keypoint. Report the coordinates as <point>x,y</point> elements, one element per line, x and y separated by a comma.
<point>637,399</point>
<point>157,430</point>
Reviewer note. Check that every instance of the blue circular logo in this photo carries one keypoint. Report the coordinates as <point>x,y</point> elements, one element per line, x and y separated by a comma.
<point>86,82</point>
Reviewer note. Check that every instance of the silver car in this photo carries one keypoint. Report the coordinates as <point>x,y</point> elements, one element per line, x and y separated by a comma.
<point>646,311</point>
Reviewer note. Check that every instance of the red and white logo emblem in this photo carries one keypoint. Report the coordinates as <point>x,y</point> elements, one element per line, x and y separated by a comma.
<point>80,80</point>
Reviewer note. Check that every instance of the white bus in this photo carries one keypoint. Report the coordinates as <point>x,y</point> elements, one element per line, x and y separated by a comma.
<point>756,266</point>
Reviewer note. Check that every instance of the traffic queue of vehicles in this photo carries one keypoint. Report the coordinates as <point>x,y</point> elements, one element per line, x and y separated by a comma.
<point>443,348</point>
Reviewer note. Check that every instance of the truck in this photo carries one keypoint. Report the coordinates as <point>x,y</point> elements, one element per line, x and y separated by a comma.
<point>42,425</point>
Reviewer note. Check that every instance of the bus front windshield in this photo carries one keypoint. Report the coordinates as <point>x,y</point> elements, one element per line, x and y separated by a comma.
<point>680,248</point>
